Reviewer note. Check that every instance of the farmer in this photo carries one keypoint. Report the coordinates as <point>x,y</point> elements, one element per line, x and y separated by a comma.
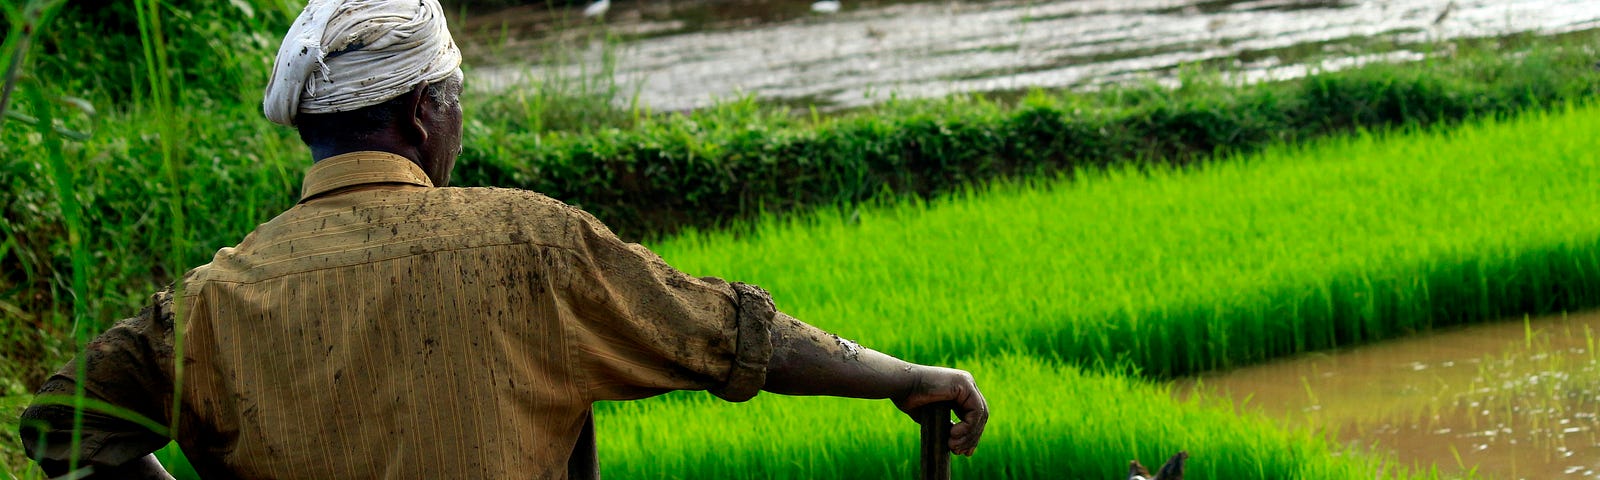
<point>389,327</point>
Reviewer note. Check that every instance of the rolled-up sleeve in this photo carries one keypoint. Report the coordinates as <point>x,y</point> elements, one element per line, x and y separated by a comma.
<point>640,327</point>
<point>127,396</point>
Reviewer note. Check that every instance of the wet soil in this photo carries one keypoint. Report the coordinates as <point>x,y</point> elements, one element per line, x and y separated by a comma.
<point>1511,400</point>
<point>677,55</point>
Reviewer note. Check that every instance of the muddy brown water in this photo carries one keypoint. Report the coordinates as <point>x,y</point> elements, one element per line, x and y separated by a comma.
<point>1512,400</point>
<point>679,55</point>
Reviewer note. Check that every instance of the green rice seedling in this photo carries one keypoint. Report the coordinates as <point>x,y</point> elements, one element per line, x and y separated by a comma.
<point>1183,270</point>
<point>1538,393</point>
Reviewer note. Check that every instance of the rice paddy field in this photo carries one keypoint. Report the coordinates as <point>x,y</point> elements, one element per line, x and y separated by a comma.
<point>1072,298</point>
<point>1062,296</point>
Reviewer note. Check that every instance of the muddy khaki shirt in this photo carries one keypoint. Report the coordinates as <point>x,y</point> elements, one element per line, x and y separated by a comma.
<point>383,328</point>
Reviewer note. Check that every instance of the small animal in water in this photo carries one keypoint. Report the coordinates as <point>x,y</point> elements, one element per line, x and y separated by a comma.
<point>1173,470</point>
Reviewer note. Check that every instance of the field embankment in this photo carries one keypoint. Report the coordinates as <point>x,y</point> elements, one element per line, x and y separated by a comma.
<point>1170,270</point>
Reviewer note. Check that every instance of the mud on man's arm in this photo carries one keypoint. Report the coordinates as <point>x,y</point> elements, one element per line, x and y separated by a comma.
<point>669,326</point>
<point>127,391</point>
<point>809,361</point>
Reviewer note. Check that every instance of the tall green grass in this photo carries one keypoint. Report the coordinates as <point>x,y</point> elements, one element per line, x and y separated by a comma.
<point>123,163</point>
<point>1182,270</point>
<point>100,196</point>
<point>575,89</point>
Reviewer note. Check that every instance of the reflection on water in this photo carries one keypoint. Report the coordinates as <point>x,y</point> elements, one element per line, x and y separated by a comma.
<point>1514,400</point>
<point>684,54</point>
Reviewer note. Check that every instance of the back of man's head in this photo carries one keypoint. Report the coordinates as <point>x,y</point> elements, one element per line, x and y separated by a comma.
<point>365,123</point>
<point>342,56</point>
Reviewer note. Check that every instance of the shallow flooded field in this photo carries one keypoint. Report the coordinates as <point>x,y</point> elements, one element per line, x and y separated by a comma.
<point>1513,400</point>
<point>678,55</point>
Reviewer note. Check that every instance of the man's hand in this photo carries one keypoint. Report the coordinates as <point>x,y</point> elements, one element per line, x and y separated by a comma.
<point>938,384</point>
<point>142,468</point>
<point>809,361</point>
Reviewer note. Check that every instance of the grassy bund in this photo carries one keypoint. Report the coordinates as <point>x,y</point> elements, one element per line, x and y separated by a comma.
<point>739,160</point>
<point>1170,270</point>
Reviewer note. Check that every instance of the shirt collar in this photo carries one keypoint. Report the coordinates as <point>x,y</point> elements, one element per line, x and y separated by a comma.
<point>358,168</point>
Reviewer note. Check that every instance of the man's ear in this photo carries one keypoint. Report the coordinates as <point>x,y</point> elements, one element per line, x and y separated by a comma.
<point>418,110</point>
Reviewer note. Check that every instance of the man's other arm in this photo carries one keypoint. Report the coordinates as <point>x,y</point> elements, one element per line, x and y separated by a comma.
<point>127,393</point>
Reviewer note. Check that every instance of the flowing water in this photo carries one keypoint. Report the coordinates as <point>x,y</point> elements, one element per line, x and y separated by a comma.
<point>681,55</point>
<point>1513,400</point>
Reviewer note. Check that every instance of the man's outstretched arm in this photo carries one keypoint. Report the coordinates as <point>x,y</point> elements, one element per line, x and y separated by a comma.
<point>647,328</point>
<point>809,361</point>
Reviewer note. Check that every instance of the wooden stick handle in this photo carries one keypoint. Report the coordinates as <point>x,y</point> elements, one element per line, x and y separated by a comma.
<point>935,420</point>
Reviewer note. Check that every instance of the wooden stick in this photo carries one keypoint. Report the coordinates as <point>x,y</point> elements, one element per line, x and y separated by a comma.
<point>935,420</point>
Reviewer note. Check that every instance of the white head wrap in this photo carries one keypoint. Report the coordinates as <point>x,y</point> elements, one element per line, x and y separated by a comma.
<point>341,55</point>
